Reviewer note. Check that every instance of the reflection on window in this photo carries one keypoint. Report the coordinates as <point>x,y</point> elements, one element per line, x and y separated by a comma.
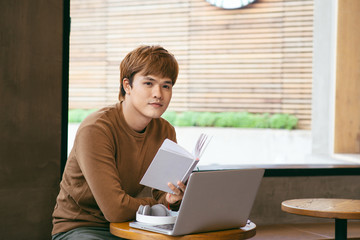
<point>230,4</point>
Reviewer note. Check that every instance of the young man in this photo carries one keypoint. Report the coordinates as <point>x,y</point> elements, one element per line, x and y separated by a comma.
<point>113,148</point>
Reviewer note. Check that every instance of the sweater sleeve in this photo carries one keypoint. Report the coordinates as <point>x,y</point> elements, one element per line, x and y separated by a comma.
<point>96,157</point>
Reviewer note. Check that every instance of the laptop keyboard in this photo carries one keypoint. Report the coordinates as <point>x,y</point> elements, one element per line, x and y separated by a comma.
<point>165,226</point>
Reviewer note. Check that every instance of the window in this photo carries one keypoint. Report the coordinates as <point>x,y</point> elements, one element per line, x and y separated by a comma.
<point>238,61</point>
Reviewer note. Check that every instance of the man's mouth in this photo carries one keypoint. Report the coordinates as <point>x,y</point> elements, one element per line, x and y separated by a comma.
<point>156,104</point>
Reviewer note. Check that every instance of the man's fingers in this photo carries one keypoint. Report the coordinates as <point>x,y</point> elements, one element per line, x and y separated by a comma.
<point>181,185</point>
<point>177,191</point>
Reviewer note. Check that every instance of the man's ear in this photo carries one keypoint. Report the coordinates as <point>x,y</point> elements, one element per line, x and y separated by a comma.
<point>126,85</point>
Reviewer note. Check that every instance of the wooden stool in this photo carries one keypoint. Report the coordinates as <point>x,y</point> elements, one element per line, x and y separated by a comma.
<point>124,231</point>
<point>339,209</point>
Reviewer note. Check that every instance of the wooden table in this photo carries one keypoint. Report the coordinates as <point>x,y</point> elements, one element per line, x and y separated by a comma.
<point>339,209</point>
<point>125,231</point>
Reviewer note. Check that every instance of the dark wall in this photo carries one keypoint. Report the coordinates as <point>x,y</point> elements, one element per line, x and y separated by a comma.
<point>31,63</point>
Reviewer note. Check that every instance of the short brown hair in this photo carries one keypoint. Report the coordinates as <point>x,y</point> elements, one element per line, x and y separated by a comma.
<point>151,60</point>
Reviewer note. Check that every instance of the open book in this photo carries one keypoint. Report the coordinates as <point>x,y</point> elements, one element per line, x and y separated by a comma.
<point>173,163</point>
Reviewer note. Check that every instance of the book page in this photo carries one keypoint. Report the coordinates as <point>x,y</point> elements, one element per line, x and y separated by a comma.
<point>171,146</point>
<point>201,145</point>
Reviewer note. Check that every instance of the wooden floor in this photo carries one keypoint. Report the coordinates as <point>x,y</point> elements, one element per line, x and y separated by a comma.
<point>304,231</point>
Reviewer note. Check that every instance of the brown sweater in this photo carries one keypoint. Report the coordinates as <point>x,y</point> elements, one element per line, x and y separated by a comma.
<point>102,174</point>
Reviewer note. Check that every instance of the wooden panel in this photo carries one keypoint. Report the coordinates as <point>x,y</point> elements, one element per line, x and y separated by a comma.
<point>347,105</point>
<point>259,54</point>
<point>31,70</point>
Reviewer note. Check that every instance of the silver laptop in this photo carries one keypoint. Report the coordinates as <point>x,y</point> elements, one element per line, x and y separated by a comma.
<point>214,200</point>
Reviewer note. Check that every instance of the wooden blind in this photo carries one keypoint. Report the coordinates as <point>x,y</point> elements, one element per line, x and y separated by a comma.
<point>256,59</point>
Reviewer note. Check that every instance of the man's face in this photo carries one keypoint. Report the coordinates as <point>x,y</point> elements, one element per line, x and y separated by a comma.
<point>149,95</point>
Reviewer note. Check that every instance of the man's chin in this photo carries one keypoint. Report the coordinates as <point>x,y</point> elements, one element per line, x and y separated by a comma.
<point>157,115</point>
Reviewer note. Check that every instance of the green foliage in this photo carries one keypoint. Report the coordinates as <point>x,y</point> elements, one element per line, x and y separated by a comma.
<point>284,121</point>
<point>212,119</point>
<point>231,119</point>
<point>228,119</point>
<point>170,116</point>
<point>186,119</point>
<point>242,120</point>
<point>206,119</point>
<point>78,115</point>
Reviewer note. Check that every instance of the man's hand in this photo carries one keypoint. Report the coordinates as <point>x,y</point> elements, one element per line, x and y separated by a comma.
<point>178,192</point>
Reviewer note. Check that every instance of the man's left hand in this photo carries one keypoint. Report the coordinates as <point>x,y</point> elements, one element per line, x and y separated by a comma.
<point>178,192</point>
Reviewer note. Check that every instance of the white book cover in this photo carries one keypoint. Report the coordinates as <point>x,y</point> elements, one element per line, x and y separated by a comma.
<point>173,163</point>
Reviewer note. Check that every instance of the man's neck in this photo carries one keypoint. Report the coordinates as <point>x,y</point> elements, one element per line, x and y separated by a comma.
<point>136,121</point>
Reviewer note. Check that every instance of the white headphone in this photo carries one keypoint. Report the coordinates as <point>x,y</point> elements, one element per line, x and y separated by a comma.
<point>157,214</point>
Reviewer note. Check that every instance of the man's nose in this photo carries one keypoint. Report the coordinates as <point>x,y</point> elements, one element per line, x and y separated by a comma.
<point>157,91</point>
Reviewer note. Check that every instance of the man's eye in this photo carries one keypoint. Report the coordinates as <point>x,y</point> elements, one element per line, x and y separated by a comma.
<point>167,86</point>
<point>148,83</point>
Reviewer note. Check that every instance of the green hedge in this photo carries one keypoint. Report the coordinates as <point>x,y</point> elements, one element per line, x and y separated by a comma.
<point>231,119</point>
<point>212,119</point>
<point>77,115</point>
